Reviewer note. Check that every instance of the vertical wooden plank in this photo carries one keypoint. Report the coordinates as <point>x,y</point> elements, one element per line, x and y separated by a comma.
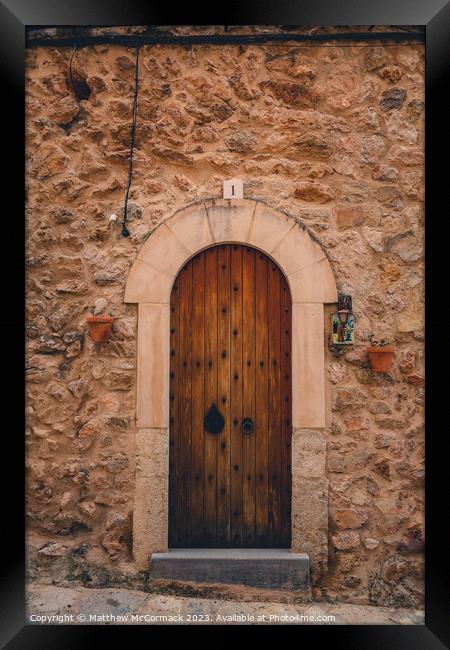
<point>184,407</point>
<point>173,414</point>
<point>198,398</point>
<point>248,396</point>
<point>236,396</point>
<point>261,400</point>
<point>274,311</point>
<point>210,450</point>
<point>224,360</point>
<point>286,407</point>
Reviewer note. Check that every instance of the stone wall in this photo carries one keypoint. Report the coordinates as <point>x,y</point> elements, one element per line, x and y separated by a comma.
<point>331,135</point>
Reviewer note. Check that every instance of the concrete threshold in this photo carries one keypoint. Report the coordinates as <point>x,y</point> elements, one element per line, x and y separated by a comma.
<point>252,567</point>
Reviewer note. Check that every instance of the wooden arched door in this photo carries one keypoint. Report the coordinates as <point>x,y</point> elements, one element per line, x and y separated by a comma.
<point>230,346</point>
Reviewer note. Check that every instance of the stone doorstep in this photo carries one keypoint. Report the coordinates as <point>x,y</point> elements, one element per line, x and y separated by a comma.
<point>263,568</point>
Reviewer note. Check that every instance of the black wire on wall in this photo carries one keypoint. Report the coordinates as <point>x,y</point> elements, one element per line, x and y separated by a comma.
<point>125,231</point>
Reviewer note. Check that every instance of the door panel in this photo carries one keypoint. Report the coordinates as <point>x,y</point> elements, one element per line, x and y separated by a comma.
<point>224,394</point>
<point>198,399</point>
<point>184,404</point>
<point>262,402</point>
<point>230,342</point>
<point>248,397</point>
<point>274,354</point>
<point>211,362</point>
<point>236,396</point>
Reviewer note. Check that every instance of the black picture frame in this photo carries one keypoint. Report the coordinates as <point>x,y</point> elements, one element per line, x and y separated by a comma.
<point>15,15</point>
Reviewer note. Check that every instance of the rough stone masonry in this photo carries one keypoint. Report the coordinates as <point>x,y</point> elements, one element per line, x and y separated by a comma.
<point>334,136</point>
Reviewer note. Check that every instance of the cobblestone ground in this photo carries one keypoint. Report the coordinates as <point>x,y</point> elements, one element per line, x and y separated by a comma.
<point>50,605</point>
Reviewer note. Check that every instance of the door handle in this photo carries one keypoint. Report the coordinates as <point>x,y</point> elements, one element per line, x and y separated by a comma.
<point>247,426</point>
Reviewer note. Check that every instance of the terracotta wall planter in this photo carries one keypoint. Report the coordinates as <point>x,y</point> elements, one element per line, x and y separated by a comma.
<point>99,327</point>
<point>381,357</point>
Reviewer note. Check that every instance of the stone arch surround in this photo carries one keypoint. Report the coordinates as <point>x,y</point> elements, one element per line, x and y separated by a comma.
<point>305,264</point>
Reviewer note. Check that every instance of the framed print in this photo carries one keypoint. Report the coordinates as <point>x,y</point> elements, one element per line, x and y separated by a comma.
<point>229,319</point>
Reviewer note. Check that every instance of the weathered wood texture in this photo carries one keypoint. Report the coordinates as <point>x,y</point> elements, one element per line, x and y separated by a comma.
<point>230,343</point>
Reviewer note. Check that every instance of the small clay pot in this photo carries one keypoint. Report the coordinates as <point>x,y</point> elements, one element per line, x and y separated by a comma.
<point>99,327</point>
<point>381,357</point>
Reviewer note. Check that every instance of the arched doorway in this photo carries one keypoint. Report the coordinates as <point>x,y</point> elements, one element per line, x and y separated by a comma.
<point>304,263</point>
<point>230,402</point>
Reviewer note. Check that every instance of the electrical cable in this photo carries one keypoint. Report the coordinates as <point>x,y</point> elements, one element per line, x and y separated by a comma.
<point>70,66</point>
<point>125,231</point>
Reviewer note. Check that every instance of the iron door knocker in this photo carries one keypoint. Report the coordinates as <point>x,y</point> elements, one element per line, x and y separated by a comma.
<point>214,421</point>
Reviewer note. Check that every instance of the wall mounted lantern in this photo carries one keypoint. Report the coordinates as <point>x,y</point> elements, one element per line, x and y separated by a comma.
<point>342,322</point>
